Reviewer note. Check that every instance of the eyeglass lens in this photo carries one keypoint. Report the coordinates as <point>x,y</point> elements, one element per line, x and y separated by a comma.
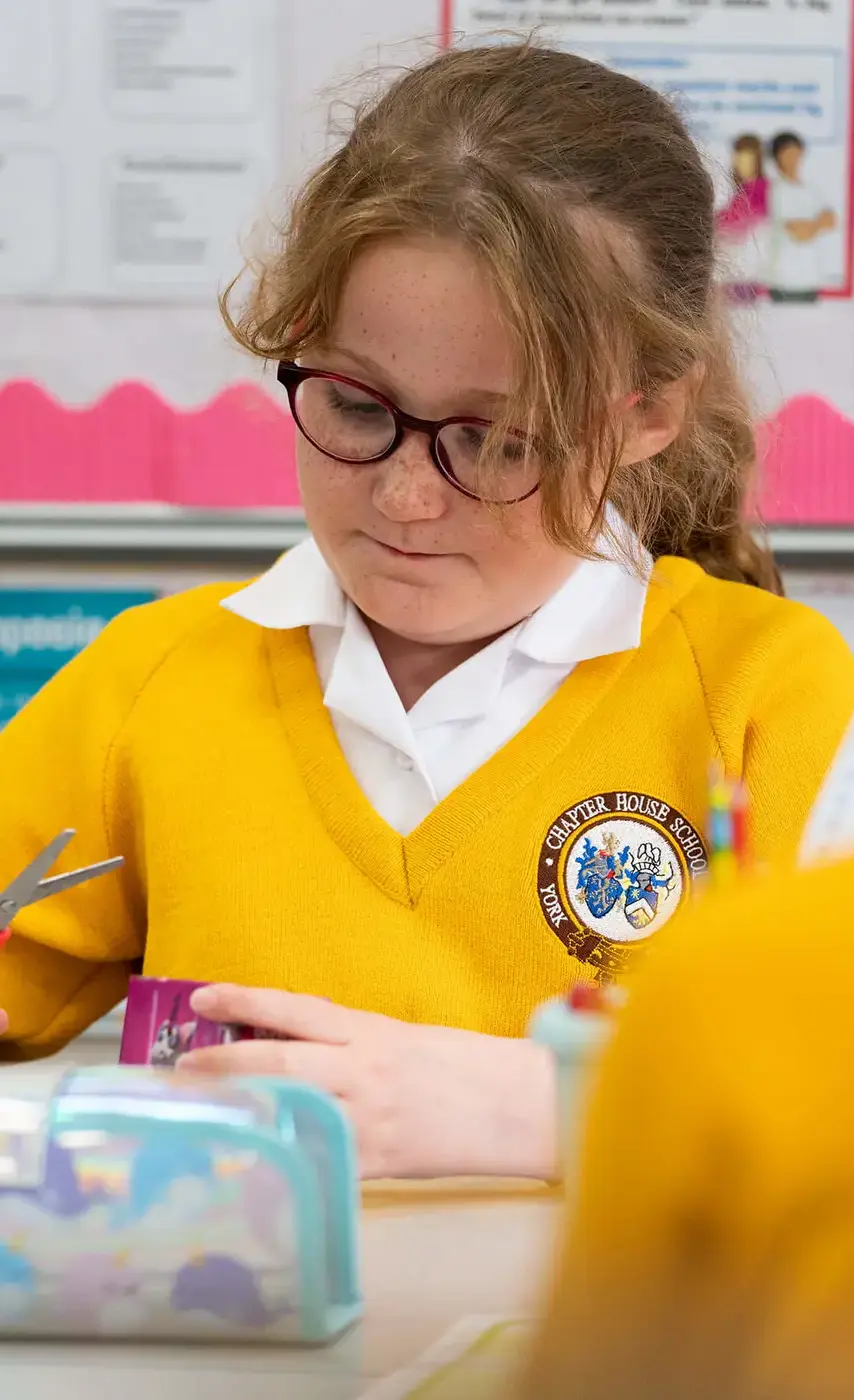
<point>348,422</point>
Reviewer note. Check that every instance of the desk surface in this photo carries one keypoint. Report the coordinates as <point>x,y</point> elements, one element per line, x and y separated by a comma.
<point>431,1256</point>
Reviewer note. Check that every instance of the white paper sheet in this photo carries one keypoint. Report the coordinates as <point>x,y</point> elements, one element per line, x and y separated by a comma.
<point>474,1360</point>
<point>137,140</point>
<point>829,831</point>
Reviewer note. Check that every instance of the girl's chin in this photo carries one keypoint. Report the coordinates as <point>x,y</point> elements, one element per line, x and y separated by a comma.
<point>427,619</point>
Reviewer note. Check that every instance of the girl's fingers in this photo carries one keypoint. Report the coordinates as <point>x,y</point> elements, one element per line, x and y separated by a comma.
<point>287,1013</point>
<point>323,1066</point>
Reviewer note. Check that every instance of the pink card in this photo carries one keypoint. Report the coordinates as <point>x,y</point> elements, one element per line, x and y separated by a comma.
<point>161,1026</point>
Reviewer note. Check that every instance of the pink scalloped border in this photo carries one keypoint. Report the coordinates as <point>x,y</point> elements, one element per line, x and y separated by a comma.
<point>238,452</point>
<point>807,452</point>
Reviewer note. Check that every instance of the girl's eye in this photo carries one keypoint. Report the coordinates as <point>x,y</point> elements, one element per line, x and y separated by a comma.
<point>511,449</point>
<point>352,405</point>
<point>473,437</point>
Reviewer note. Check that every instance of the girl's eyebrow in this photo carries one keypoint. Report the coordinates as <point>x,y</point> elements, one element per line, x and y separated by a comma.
<point>386,386</point>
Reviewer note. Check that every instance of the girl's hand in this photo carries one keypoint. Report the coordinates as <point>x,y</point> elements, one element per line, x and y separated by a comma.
<point>4,1022</point>
<point>424,1100</point>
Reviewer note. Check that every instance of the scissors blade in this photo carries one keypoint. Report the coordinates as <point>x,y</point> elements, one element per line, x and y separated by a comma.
<point>24,886</point>
<point>57,883</point>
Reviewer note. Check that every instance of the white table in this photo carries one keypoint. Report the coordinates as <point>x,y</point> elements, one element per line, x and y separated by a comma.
<point>431,1255</point>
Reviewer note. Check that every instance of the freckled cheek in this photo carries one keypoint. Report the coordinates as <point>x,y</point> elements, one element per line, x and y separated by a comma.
<point>515,533</point>
<point>334,496</point>
<point>515,554</point>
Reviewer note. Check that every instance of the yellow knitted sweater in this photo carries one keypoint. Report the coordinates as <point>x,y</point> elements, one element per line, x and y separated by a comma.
<point>711,1252</point>
<point>196,745</point>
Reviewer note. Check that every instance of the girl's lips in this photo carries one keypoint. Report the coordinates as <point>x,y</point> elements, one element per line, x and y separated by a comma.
<point>405,553</point>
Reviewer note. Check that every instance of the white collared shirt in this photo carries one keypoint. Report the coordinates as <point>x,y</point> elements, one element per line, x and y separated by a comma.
<point>406,763</point>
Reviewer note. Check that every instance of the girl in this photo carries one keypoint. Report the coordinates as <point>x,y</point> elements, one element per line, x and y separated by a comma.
<point>743,223</point>
<point>451,755</point>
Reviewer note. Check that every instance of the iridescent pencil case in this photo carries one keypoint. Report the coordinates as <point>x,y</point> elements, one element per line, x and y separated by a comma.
<point>140,1205</point>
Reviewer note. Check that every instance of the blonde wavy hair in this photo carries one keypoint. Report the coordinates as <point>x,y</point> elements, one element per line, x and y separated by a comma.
<point>581,192</point>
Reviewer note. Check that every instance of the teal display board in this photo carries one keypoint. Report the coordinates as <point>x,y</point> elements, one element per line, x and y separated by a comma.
<point>42,629</point>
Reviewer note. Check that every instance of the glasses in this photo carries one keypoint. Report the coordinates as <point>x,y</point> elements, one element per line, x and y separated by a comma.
<point>349,422</point>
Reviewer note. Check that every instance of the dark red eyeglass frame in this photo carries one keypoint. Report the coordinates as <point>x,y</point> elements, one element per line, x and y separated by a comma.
<point>291,376</point>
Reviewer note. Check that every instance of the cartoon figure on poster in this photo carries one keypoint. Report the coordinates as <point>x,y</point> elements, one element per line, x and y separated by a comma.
<point>743,223</point>
<point>800,216</point>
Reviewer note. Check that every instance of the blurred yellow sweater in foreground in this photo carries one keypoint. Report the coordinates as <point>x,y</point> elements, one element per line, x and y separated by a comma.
<point>711,1253</point>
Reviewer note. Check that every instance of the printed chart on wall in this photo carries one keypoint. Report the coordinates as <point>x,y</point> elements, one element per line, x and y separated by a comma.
<point>136,139</point>
<point>766,86</point>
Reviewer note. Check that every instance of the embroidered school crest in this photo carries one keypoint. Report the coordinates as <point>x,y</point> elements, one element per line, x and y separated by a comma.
<point>613,869</point>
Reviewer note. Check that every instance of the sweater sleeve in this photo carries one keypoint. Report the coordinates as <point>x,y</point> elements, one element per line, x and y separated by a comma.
<point>70,956</point>
<point>800,713</point>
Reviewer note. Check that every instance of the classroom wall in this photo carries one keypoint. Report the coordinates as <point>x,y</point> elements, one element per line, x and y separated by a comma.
<point>77,351</point>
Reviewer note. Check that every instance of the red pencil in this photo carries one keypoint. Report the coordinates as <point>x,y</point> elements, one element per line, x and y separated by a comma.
<point>741,827</point>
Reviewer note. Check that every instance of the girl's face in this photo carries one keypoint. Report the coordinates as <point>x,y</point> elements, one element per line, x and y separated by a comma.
<point>419,322</point>
<point>745,163</point>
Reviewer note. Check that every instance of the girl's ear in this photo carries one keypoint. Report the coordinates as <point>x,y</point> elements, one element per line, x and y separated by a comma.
<point>652,425</point>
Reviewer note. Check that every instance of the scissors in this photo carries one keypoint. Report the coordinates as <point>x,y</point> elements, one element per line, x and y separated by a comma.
<point>29,887</point>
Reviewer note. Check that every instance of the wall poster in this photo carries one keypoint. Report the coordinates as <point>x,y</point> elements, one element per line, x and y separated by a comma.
<point>135,139</point>
<point>766,87</point>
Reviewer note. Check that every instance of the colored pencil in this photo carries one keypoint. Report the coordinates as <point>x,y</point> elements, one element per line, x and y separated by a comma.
<point>729,854</point>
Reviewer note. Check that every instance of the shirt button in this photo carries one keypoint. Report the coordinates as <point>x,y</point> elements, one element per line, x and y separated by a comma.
<point>405,762</point>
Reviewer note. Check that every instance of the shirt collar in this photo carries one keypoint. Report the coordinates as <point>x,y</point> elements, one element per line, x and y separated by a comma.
<point>597,611</point>
<point>300,590</point>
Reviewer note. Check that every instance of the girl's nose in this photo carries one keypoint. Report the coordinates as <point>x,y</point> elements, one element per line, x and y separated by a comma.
<point>408,486</point>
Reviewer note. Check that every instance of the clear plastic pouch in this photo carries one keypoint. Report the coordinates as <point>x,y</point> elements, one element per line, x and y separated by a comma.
<point>137,1204</point>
